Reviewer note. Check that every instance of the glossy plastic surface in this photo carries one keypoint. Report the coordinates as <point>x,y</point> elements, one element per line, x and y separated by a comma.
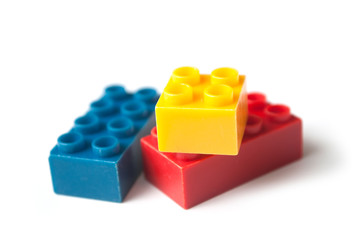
<point>273,138</point>
<point>202,113</point>
<point>99,157</point>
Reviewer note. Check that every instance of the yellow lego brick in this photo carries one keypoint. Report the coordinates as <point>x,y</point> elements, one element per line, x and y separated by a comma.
<point>203,114</point>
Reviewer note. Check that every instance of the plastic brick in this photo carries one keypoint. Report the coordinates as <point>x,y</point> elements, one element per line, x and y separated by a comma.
<point>202,113</point>
<point>273,138</point>
<point>100,157</point>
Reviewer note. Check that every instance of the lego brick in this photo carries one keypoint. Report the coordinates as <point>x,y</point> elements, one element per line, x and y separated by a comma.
<point>203,114</point>
<point>273,138</point>
<point>100,157</point>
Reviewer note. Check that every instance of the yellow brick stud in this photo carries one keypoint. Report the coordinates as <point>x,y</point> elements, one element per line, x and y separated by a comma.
<point>228,76</point>
<point>178,94</point>
<point>187,75</point>
<point>218,95</point>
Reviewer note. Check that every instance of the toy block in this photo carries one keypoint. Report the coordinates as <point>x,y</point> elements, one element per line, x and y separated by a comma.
<point>273,138</point>
<point>200,113</point>
<point>100,157</point>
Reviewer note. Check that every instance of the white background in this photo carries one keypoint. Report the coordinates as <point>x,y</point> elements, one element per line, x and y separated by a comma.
<point>57,56</point>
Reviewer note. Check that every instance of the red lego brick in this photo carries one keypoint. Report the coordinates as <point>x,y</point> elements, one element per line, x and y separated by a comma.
<point>273,138</point>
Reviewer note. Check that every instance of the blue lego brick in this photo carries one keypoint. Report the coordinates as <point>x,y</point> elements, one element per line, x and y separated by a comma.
<point>100,157</point>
